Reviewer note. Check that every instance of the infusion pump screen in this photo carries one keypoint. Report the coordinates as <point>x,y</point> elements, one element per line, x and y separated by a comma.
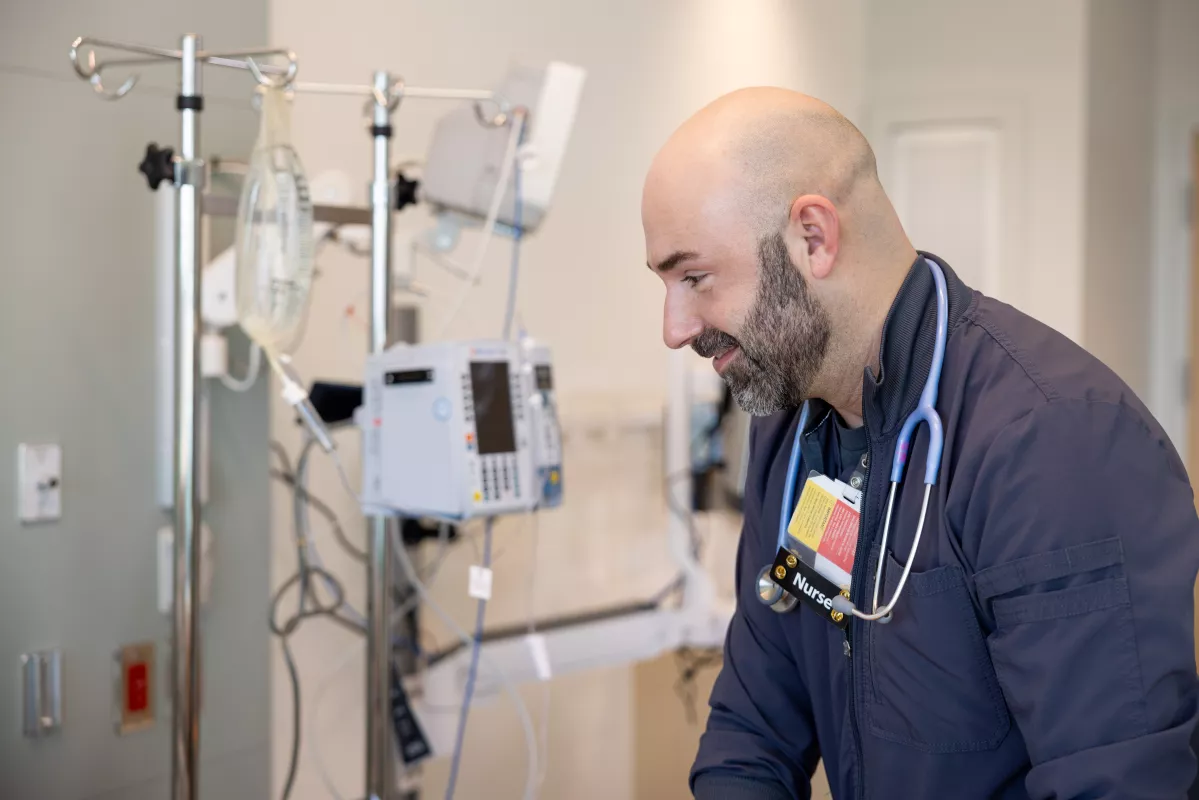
<point>493,407</point>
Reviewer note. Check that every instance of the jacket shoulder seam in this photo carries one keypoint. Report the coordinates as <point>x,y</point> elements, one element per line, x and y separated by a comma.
<point>1009,347</point>
<point>1125,411</point>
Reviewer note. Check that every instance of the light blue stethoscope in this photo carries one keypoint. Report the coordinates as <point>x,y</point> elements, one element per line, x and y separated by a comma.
<point>780,600</point>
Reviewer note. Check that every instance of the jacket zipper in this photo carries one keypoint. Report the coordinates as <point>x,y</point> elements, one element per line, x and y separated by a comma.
<point>857,588</point>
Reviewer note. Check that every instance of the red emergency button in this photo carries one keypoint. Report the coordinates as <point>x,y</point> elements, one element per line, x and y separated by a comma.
<point>136,695</point>
<point>137,687</point>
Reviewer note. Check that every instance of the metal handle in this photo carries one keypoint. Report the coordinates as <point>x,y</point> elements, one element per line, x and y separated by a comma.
<point>41,679</point>
<point>91,70</point>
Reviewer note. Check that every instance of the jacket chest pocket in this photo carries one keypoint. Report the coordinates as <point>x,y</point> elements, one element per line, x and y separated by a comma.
<point>931,684</point>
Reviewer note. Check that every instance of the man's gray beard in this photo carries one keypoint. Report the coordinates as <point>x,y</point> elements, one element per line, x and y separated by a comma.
<point>783,342</point>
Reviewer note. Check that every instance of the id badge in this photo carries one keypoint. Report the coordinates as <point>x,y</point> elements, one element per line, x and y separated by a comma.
<point>825,522</point>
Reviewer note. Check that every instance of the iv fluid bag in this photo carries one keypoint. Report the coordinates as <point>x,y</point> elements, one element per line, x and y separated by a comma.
<point>274,231</point>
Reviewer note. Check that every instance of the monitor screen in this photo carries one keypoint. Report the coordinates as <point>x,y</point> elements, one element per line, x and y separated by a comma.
<point>493,407</point>
<point>545,379</point>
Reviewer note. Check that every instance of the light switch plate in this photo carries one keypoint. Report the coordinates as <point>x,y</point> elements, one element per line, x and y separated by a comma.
<point>39,482</point>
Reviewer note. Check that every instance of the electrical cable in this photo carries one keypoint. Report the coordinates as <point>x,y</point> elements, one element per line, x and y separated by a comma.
<point>301,515</point>
<point>293,759</point>
<point>329,679</point>
<point>284,631</point>
<point>488,233</point>
<point>522,711</point>
<point>407,604</point>
<point>321,508</point>
<point>473,672</point>
<point>281,453</point>
<point>309,603</point>
<point>297,483</point>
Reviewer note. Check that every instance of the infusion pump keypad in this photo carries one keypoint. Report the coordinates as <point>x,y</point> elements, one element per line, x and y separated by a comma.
<point>497,475</point>
<point>501,478</point>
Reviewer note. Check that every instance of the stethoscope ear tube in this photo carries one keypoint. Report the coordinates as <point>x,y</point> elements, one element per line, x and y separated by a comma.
<point>771,593</point>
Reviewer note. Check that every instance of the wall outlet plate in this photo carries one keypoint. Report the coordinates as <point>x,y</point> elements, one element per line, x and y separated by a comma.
<point>39,482</point>
<point>41,682</point>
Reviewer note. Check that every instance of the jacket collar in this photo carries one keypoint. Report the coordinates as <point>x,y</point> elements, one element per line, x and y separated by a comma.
<point>906,351</point>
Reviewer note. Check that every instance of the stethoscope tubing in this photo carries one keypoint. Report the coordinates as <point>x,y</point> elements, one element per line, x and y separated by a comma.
<point>925,412</point>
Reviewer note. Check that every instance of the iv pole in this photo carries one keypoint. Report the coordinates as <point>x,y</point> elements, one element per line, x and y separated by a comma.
<point>188,176</point>
<point>188,171</point>
<point>386,91</point>
<point>380,758</point>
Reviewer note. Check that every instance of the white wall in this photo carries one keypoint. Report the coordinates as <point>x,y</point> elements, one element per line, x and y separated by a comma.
<point>584,289</point>
<point>1018,66</point>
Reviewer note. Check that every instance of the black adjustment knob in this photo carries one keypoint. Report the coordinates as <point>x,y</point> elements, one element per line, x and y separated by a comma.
<point>158,165</point>
<point>406,190</point>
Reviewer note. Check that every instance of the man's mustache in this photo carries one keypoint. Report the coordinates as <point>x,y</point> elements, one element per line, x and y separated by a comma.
<point>713,342</point>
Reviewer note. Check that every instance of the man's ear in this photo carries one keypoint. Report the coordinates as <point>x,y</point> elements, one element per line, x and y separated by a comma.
<point>814,222</point>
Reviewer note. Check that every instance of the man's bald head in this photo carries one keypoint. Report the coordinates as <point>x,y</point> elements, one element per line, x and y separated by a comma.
<point>765,147</point>
<point>765,217</point>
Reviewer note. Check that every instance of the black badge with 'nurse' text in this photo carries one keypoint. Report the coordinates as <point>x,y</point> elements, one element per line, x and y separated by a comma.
<point>813,589</point>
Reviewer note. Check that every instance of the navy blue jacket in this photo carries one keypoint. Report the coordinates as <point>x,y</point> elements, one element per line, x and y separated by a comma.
<point>1043,646</point>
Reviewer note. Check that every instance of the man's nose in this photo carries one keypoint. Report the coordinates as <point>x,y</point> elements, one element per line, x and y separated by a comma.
<point>679,326</point>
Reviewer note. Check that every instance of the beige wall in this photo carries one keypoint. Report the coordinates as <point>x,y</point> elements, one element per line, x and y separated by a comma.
<point>1118,193</point>
<point>650,65</point>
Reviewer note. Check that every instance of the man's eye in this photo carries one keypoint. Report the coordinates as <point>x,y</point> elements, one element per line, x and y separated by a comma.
<point>693,280</point>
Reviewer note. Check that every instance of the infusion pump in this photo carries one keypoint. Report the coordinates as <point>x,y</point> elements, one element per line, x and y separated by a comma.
<point>447,431</point>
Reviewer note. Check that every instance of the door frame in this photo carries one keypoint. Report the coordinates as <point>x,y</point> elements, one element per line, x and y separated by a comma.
<point>1170,351</point>
<point>1005,115</point>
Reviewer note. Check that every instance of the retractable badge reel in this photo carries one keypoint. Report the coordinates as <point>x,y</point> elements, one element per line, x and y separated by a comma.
<point>823,534</point>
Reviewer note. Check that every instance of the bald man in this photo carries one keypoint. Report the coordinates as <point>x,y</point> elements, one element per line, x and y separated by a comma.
<point>1043,644</point>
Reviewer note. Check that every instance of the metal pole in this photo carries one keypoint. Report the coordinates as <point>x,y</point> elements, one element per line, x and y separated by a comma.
<point>186,660</point>
<point>380,754</point>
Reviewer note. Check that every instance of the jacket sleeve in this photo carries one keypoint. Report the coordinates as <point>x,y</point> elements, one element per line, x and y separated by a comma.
<point>1086,567</point>
<point>760,741</point>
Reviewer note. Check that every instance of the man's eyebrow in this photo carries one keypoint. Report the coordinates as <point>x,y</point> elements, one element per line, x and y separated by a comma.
<point>673,260</point>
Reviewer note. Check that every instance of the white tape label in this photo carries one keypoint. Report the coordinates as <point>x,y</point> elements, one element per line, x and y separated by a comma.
<point>480,583</point>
